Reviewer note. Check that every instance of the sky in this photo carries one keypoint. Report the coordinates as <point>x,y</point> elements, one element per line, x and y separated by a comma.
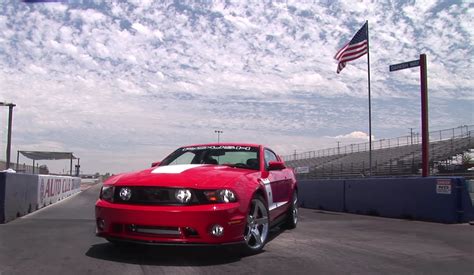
<point>124,83</point>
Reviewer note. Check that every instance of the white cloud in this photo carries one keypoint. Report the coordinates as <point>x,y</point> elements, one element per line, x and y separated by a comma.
<point>354,135</point>
<point>123,84</point>
<point>141,28</point>
<point>36,69</point>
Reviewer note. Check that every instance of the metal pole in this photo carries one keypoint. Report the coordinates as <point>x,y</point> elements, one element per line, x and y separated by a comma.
<point>17,159</point>
<point>70,166</point>
<point>424,116</point>
<point>370,108</point>
<point>218,132</point>
<point>78,167</point>
<point>9,140</point>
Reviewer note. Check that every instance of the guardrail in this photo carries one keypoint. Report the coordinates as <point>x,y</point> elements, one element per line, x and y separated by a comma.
<point>414,138</point>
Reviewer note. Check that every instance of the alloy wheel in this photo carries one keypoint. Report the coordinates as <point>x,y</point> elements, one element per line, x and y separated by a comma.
<point>256,231</point>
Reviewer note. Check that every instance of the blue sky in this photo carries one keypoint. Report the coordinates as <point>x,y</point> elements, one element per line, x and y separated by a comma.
<point>123,84</point>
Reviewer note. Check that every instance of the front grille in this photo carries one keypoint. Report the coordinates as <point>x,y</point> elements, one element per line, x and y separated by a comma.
<point>154,230</point>
<point>157,196</point>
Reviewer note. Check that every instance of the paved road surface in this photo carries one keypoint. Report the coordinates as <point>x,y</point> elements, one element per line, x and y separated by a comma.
<point>60,240</point>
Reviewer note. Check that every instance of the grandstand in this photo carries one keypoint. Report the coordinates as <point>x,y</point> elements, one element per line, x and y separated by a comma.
<point>399,156</point>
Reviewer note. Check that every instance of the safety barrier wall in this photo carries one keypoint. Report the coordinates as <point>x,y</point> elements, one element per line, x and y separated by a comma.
<point>2,197</point>
<point>21,194</point>
<point>444,200</point>
<point>322,194</point>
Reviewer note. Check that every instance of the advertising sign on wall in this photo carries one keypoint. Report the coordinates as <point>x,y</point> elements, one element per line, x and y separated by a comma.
<point>54,188</point>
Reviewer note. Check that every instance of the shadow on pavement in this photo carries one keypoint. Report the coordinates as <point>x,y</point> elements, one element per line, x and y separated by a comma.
<point>162,255</point>
<point>169,255</point>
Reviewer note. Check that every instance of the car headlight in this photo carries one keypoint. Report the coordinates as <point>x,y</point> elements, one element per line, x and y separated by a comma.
<point>107,193</point>
<point>224,195</point>
<point>183,195</point>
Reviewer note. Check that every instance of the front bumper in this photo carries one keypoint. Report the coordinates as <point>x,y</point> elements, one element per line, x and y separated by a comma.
<point>170,224</point>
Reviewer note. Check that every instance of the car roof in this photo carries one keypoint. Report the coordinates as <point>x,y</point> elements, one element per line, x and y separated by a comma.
<point>224,144</point>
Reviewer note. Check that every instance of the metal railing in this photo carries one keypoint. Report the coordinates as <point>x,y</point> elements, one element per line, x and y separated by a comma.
<point>415,138</point>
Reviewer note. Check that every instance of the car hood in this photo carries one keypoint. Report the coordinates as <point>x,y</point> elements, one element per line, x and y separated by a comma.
<point>186,176</point>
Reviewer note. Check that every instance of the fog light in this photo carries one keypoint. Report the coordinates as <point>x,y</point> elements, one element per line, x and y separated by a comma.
<point>217,230</point>
<point>100,224</point>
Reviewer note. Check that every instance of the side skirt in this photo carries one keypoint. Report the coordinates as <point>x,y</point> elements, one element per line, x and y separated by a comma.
<point>279,220</point>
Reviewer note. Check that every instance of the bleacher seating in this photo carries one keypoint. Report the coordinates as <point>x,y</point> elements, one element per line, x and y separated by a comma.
<point>398,160</point>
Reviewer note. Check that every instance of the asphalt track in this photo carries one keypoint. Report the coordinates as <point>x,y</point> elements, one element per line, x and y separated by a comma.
<point>60,239</point>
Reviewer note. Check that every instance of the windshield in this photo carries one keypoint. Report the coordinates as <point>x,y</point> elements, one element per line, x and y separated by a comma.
<point>246,157</point>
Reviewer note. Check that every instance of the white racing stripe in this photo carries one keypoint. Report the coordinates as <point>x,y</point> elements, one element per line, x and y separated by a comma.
<point>174,169</point>
<point>268,188</point>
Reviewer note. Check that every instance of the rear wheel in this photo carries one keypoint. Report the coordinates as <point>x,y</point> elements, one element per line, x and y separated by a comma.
<point>292,215</point>
<point>256,230</point>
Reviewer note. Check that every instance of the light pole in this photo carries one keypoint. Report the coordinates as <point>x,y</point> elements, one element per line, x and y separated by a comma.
<point>218,132</point>
<point>9,139</point>
<point>411,135</point>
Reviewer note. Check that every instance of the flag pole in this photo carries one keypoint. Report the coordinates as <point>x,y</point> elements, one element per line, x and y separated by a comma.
<point>370,106</point>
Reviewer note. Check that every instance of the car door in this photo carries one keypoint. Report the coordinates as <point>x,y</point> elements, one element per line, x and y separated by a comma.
<point>276,180</point>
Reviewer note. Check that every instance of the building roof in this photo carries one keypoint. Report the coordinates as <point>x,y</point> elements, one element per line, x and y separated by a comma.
<point>41,155</point>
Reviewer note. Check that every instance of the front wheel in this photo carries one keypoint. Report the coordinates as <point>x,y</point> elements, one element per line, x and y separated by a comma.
<point>256,230</point>
<point>292,215</point>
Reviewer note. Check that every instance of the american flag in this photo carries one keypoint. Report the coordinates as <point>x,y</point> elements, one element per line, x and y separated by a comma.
<point>356,48</point>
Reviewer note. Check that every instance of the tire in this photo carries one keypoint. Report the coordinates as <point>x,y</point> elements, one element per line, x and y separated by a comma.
<point>292,215</point>
<point>257,227</point>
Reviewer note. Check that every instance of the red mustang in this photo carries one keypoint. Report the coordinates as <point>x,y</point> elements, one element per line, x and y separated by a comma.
<point>201,194</point>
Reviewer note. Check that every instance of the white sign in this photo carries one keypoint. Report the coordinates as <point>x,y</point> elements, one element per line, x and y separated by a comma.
<point>443,186</point>
<point>302,170</point>
<point>51,189</point>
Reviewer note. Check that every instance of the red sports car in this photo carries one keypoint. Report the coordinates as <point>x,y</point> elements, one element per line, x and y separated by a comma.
<point>201,194</point>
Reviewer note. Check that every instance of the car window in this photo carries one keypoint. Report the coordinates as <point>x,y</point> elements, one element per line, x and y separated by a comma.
<point>246,157</point>
<point>185,158</point>
<point>269,156</point>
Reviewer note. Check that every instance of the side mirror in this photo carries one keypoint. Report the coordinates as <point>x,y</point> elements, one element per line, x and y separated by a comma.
<point>276,165</point>
<point>156,163</point>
